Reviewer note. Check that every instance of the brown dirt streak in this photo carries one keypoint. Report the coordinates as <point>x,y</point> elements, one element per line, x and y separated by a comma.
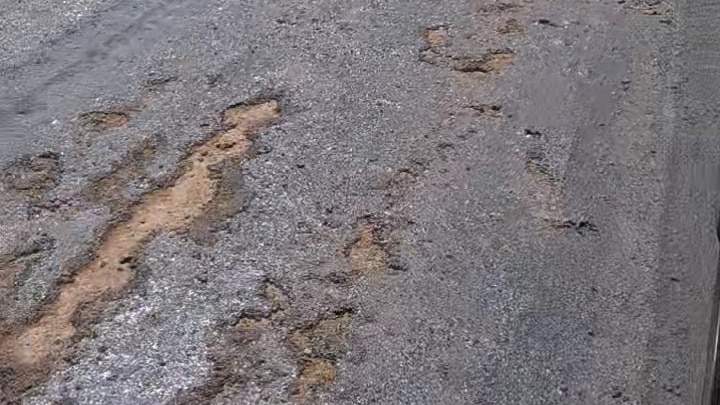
<point>162,210</point>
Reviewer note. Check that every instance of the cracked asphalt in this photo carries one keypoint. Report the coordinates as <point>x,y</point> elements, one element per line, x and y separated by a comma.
<point>358,202</point>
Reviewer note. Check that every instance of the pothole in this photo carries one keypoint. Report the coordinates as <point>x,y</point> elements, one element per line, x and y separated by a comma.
<point>499,7</point>
<point>367,256</point>
<point>491,62</point>
<point>436,52</point>
<point>33,173</point>
<point>487,110</point>
<point>100,120</point>
<point>318,347</point>
<point>266,346</point>
<point>436,36</point>
<point>110,189</point>
<point>651,8</point>
<point>511,26</point>
<point>164,210</point>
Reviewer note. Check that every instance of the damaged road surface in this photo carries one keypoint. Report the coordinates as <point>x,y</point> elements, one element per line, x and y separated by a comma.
<point>356,202</point>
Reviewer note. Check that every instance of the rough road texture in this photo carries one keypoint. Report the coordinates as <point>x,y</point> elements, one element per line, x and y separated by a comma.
<point>355,202</point>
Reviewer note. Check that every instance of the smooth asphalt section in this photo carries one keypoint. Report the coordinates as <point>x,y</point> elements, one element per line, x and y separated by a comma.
<point>358,202</point>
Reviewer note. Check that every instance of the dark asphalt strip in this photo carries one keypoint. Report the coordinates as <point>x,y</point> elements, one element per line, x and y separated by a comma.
<point>702,17</point>
<point>699,61</point>
<point>711,395</point>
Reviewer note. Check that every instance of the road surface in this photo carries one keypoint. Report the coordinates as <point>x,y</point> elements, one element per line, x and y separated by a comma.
<point>358,202</point>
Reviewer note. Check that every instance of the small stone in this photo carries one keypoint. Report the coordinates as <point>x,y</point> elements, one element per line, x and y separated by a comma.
<point>303,227</point>
<point>263,149</point>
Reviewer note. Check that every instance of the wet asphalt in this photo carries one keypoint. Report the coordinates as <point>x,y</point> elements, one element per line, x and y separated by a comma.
<point>461,202</point>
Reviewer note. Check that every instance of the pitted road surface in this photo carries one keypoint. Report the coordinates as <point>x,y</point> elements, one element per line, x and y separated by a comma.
<point>357,202</point>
